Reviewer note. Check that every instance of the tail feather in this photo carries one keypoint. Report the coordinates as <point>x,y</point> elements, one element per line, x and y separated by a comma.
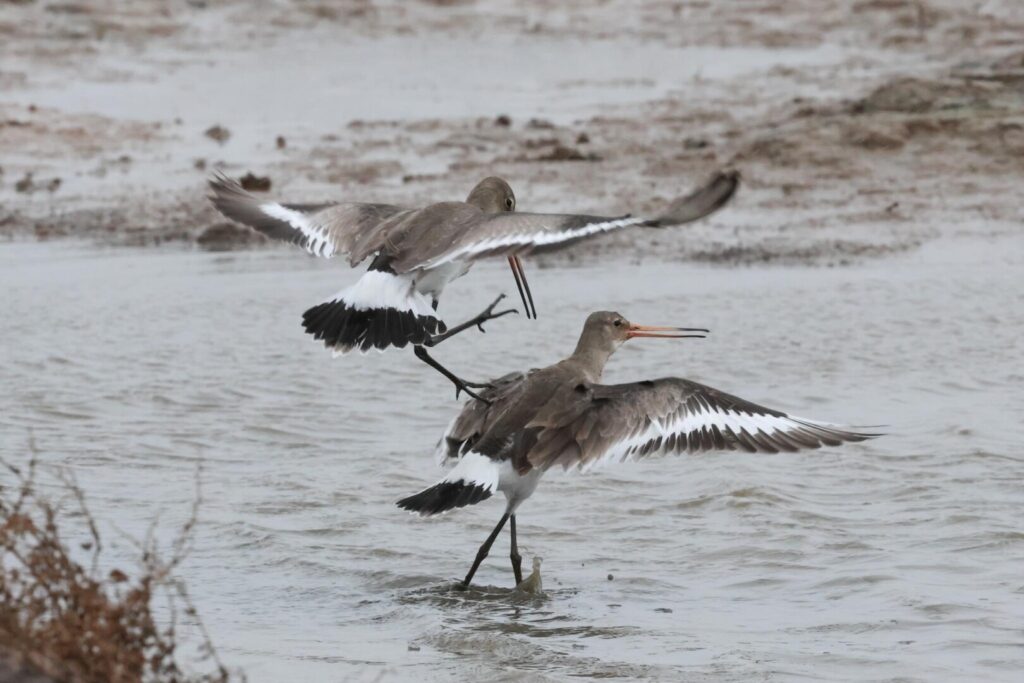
<point>473,479</point>
<point>380,310</point>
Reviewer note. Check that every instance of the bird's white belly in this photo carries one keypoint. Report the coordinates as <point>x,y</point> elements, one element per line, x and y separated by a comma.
<point>433,280</point>
<point>517,487</point>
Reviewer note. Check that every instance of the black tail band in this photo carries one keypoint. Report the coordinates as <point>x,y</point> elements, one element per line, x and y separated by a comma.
<point>344,328</point>
<point>444,496</point>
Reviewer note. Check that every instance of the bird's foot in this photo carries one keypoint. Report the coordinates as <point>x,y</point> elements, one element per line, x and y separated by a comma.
<point>489,314</point>
<point>476,321</point>
<point>462,385</point>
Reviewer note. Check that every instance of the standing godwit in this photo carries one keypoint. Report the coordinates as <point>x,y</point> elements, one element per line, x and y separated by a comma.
<point>562,415</point>
<point>417,252</point>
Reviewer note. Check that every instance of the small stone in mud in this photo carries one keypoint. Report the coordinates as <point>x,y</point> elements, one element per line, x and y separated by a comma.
<point>25,184</point>
<point>539,124</point>
<point>200,164</point>
<point>664,610</point>
<point>611,577</point>
<point>218,133</point>
<point>695,143</point>
<point>916,96</point>
<point>563,153</point>
<point>226,236</point>
<point>53,185</point>
<point>414,648</point>
<point>582,139</point>
<point>867,138</point>
<point>255,183</point>
<point>540,142</point>
<point>281,142</point>
<point>503,120</point>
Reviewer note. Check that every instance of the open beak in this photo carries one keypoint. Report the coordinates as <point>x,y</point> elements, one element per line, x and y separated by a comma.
<point>524,287</point>
<point>665,332</point>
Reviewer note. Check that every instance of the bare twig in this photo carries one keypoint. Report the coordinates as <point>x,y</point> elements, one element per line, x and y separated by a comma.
<point>70,622</point>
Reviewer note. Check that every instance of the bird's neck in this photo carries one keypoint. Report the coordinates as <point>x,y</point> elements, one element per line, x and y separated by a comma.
<point>590,360</point>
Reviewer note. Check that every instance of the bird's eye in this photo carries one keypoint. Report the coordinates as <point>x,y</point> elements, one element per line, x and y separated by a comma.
<point>509,202</point>
<point>617,323</point>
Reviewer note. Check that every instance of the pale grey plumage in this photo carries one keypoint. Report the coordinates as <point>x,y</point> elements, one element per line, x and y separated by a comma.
<point>472,236</point>
<point>448,231</point>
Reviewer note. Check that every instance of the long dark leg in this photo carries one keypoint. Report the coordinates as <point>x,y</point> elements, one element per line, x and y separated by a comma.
<point>460,385</point>
<point>484,549</point>
<point>517,559</point>
<point>476,321</point>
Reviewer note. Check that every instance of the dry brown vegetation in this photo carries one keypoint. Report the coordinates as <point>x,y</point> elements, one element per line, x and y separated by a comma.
<point>62,621</point>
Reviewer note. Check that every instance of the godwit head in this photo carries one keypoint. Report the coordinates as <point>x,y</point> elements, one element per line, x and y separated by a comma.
<point>492,195</point>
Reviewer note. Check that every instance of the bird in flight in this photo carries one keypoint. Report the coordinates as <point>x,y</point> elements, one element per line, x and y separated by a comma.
<point>561,415</point>
<point>415,253</point>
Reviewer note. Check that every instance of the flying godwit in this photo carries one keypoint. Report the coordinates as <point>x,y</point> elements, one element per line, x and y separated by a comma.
<point>417,252</point>
<point>562,415</point>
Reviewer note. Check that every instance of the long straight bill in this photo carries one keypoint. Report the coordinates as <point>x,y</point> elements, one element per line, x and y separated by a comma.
<point>523,286</point>
<point>665,332</point>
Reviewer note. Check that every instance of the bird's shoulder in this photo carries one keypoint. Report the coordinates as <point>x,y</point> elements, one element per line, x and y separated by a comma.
<point>429,231</point>
<point>442,213</point>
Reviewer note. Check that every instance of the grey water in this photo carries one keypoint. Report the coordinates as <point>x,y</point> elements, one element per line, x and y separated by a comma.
<point>897,559</point>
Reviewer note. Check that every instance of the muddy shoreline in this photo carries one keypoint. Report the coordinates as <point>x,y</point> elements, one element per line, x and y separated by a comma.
<point>858,134</point>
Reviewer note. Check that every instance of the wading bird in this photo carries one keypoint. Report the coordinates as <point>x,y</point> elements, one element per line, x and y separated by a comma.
<point>417,252</point>
<point>563,415</point>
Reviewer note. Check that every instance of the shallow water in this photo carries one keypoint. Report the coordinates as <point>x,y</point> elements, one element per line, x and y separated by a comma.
<point>898,558</point>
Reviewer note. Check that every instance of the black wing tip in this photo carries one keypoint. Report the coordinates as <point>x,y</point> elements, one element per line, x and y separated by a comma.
<point>444,496</point>
<point>841,433</point>
<point>220,181</point>
<point>705,200</point>
<point>731,175</point>
<point>722,186</point>
<point>225,191</point>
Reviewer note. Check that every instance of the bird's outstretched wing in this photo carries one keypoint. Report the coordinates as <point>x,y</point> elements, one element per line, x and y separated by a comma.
<point>615,423</point>
<point>354,229</point>
<point>525,233</point>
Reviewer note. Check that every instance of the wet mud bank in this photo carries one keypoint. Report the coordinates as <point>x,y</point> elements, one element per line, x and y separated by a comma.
<point>859,132</point>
